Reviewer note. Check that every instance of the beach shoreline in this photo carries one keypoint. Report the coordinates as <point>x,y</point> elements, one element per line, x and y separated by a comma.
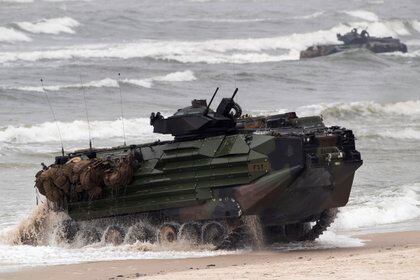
<point>384,255</point>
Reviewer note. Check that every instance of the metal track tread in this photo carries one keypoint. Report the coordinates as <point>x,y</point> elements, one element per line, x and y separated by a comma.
<point>325,220</point>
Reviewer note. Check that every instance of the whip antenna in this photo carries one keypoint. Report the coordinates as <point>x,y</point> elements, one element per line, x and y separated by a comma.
<point>234,70</point>
<point>122,108</point>
<point>86,110</point>
<point>86,107</point>
<point>53,115</point>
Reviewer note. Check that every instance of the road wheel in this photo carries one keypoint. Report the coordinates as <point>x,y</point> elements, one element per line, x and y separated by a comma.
<point>168,232</point>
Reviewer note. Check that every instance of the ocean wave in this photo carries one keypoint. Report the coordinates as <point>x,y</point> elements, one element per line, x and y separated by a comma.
<point>396,133</point>
<point>211,52</point>
<point>17,1</point>
<point>411,54</point>
<point>210,19</point>
<point>391,206</point>
<point>377,2</point>
<point>362,14</point>
<point>416,25</point>
<point>99,83</point>
<point>251,50</point>
<point>50,26</point>
<point>310,16</point>
<point>11,35</point>
<point>138,128</point>
<point>179,76</point>
<point>362,109</point>
<point>413,42</point>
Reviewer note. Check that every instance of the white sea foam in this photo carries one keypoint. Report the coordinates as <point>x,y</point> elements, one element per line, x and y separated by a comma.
<point>390,206</point>
<point>387,28</point>
<point>310,16</point>
<point>140,128</point>
<point>77,130</point>
<point>13,257</point>
<point>416,25</point>
<point>362,14</point>
<point>48,247</point>
<point>328,239</point>
<point>50,26</point>
<point>405,133</point>
<point>107,82</point>
<point>251,50</point>
<point>407,54</point>
<point>377,2</point>
<point>414,42</point>
<point>17,1</point>
<point>210,19</point>
<point>363,108</point>
<point>11,35</point>
<point>179,76</point>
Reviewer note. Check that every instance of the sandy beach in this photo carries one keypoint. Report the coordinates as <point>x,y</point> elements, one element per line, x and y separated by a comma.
<point>384,256</point>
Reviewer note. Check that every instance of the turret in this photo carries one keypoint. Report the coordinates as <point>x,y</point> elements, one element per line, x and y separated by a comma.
<point>353,37</point>
<point>198,120</point>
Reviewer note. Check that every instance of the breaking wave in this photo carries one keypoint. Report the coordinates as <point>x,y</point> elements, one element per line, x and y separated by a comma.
<point>251,50</point>
<point>407,54</point>
<point>17,1</point>
<point>370,119</point>
<point>366,15</point>
<point>310,16</point>
<point>366,108</point>
<point>413,43</point>
<point>10,35</point>
<point>377,2</point>
<point>99,83</point>
<point>50,26</point>
<point>396,133</point>
<point>179,76</point>
<point>76,131</point>
<point>140,127</point>
<point>416,25</point>
<point>390,206</point>
<point>213,20</point>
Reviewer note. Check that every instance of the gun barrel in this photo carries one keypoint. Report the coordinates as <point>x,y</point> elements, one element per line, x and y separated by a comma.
<point>234,93</point>
<point>211,100</point>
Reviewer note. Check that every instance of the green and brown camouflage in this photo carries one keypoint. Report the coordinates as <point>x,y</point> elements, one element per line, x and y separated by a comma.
<point>219,167</point>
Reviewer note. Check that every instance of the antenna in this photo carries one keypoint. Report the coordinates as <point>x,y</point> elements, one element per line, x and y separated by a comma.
<point>211,100</point>
<point>234,71</point>
<point>86,110</point>
<point>86,107</point>
<point>122,109</point>
<point>53,115</point>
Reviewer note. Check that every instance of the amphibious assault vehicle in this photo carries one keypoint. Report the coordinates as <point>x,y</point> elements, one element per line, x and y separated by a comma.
<point>290,172</point>
<point>354,40</point>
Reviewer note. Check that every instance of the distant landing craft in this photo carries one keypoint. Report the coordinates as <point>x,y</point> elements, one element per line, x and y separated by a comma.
<point>354,40</point>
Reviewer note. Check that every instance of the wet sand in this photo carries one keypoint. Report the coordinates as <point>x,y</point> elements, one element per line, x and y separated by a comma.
<point>385,256</point>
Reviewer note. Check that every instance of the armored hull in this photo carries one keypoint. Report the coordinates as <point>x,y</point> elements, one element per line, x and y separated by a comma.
<point>353,40</point>
<point>285,170</point>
